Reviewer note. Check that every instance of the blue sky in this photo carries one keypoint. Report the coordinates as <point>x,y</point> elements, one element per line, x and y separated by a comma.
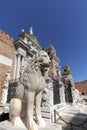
<point>64,22</point>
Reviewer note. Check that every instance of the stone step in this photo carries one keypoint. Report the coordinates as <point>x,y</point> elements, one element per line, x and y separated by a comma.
<point>75,113</point>
<point>67,120</point>
<point>61,109</point>
<point>73,128</point>
<point>72,109</point>
<point>71,120</point>
<point>66,126</point>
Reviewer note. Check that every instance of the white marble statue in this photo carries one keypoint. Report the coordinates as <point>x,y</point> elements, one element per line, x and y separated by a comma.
<point>5,87</point>
<point>31,30</point>
<point>29,91</point>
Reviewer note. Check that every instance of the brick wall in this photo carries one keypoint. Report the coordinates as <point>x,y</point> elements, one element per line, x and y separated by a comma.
<point>81,86</point>
<point>7,55</point>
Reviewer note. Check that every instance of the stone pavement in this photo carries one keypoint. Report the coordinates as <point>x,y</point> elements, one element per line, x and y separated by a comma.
<point>51,127</point>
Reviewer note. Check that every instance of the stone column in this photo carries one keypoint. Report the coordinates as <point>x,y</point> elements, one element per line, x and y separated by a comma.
<point>18,65</point>
<point>15,66</point>
<point>50,92</point>
<point>73,93</point>
<point>62,93</point>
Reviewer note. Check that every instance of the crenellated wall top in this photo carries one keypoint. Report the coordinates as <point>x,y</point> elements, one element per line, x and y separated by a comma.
<point>6,37</point>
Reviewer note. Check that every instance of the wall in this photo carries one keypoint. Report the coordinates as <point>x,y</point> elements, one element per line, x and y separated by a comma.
<point>7,56</point>
<point>81,86</point>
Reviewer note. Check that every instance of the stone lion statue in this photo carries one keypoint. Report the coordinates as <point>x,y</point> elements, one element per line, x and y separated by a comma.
<point>29,92</point>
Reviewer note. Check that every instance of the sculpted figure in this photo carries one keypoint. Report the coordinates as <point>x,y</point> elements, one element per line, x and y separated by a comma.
<point>29,92</point>
<point>5,87</point>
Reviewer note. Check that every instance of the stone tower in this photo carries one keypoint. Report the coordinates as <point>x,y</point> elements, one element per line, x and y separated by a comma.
<point>53,73</point>
<point>67,79</point>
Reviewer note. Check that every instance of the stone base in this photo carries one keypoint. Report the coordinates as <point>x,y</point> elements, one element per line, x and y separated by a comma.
<point>6,125</point>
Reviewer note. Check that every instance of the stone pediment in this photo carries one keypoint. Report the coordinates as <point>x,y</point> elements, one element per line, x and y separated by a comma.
<point>26,37</point>
<point>34,40</point>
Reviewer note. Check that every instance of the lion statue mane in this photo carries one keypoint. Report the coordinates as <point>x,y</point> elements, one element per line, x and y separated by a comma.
<point>29,93</point>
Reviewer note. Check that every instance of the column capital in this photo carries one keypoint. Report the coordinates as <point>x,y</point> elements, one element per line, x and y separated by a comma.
<point>18,65</point>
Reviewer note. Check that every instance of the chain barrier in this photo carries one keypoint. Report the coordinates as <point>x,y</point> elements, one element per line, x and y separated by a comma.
<point>72,124</point>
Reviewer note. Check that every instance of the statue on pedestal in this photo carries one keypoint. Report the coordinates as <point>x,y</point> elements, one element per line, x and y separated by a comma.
<point>5,87</point>
<point>31,30</point>
<point>29,91</point>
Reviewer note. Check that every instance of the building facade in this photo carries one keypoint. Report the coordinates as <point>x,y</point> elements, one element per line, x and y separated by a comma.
<point>26,46</point>
<point>15,56</point>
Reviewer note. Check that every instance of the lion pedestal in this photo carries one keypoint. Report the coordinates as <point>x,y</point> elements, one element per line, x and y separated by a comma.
<point>6,125</point>
<point>29,92</point>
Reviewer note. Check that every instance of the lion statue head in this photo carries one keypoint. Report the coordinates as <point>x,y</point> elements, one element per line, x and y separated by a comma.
<point>39,62</point>
<point>43,58</point>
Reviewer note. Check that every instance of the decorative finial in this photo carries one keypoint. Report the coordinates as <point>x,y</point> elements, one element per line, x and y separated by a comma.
<point>22,30</point>
<point>31,30</point>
